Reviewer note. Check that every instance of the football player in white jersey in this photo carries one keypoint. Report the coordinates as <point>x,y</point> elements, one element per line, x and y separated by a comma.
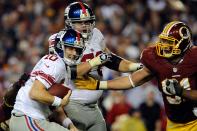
<point>82,107</point>
<point>31,108</point>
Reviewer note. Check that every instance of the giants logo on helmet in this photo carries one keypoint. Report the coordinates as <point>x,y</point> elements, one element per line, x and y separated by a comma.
<point>84,15</point>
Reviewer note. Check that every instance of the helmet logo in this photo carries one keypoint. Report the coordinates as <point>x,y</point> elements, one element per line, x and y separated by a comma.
<point>175,69</point>
<point>77,42</point>
<point>84,14</point>
<point>184,33</point>
<point>70,40</point>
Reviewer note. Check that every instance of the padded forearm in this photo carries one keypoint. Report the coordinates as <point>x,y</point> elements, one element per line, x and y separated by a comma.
<point>114,63</point>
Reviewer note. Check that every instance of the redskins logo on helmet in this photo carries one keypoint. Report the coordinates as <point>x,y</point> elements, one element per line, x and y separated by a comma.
<point>174,40</point>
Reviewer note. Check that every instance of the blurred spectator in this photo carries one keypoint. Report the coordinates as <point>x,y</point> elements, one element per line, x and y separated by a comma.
<point>128,122</point>
<point>3,85</point>
<point>156,5</point>
<point>151,111</point>
<point>119,107</point>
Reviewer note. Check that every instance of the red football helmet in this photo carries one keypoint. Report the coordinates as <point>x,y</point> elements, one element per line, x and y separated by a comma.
<point>174,40</point>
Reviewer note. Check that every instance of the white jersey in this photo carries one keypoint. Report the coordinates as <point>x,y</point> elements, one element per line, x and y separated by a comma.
<point>49,70</point>
<point>95,46</point>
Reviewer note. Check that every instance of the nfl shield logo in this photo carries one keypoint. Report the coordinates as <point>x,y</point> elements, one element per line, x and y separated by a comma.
<point>175,69</point>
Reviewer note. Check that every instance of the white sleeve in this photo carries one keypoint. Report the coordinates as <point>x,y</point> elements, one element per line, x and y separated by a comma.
<point>103,44</point>
<point>98,37</point>
<point>50,72</point>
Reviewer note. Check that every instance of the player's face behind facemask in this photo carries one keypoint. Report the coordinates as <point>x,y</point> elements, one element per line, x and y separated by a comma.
<point>174,40</point>
<point>85,27</point>
<point>70,47</point>
<point>80,17</point>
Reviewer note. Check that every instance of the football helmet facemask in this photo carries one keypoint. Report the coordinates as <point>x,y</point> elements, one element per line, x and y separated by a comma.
<point>174,40</point>
<point>80,17</point>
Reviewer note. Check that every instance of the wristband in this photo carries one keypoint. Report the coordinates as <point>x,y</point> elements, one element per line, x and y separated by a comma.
<point>103,85</point>
<point>66,122</point>
<point>131,82</point>
<point>57,101</point>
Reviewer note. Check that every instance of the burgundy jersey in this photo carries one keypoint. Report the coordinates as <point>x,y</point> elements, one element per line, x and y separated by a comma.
<point>178,109</point>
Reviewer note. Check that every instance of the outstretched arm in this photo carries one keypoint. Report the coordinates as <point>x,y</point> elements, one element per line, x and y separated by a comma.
<point>127,66</point>
<point>137,78</point>
<point>118,63</point>
<point>83,68</point>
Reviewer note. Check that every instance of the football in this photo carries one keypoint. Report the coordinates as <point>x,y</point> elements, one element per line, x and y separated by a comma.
<point>58,90</point>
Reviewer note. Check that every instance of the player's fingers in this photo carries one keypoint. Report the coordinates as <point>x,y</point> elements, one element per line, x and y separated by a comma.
<point>65,100</point>
<point>67,95</point>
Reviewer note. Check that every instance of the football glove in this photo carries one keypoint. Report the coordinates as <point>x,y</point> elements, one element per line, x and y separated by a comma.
<point>100,59</point>
<point>135,66</point>
<point>173,87</point>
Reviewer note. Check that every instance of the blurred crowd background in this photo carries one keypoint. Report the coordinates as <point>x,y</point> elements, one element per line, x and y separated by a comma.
<point>128,26</point>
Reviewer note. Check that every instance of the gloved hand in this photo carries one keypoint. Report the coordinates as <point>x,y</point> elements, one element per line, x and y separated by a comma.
<point>135,66</point>
<point>173,87</point>
<point>86,82</point>
<point>140,66</point>
<point>100,59</point>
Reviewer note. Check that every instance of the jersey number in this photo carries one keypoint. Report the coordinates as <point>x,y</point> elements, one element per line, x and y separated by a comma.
<point>90,56</point>
<point>176,99</point>
<point>51,57</point>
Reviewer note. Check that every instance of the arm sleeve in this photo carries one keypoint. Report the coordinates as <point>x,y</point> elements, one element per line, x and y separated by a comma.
<point>114,62</point>
<point>49,72</point>
<point>98,38</point>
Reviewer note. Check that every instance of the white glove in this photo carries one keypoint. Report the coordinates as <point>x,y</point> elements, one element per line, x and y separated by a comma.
<point>100,59</point>
<point>172,87</point>
<point>135,66</point>
<point>166,84</point>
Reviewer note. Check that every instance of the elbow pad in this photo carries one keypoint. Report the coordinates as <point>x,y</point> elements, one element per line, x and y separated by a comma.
<point>114,62</point>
